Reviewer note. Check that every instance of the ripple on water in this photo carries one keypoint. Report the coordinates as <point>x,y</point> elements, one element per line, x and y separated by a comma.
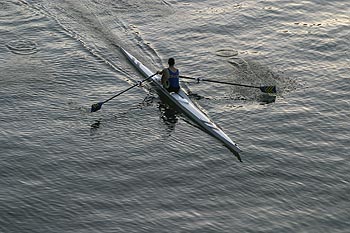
<point>226,53</point>
<point>22,47</point>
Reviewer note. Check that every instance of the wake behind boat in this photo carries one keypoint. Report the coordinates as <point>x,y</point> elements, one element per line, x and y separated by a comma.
<point>184,104</point>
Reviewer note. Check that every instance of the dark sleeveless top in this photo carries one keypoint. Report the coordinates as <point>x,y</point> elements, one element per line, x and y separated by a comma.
<point>174,78</point>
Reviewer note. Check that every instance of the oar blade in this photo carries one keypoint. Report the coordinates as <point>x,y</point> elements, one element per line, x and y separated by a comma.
<point>268,89</point>
<point>96,107</point>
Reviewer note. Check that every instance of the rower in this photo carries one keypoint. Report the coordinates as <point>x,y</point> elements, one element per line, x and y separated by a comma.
<point>170,77</point>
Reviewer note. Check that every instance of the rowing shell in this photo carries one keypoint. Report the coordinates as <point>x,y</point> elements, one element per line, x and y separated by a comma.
<point>182,102</point>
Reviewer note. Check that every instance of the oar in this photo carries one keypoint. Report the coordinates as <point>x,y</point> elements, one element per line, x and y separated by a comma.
<point>266,89</point>
<point>98,106</point>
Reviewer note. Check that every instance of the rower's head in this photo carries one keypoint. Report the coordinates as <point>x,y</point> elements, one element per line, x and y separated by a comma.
<point>171,61</point>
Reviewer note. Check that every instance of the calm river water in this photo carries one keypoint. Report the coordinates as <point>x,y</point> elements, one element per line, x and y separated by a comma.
<point>130,167</point>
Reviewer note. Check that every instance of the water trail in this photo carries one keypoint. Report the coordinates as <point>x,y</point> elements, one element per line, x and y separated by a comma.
<point>93,35</point>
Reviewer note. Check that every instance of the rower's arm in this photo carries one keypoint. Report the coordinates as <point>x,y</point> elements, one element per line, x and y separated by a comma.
<point>163,71</point>
<point>165,75</point>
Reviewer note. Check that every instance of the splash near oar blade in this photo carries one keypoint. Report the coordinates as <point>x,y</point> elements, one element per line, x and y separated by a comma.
<point>268,89</point>
<point>96,107</point>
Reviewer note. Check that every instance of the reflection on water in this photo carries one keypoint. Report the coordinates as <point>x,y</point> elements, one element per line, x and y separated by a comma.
<point>95,126</point>
<point>168,115</point>
<point>147,101</point>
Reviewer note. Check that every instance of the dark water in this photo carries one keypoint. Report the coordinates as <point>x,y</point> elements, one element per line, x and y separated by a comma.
<point>125,168</point>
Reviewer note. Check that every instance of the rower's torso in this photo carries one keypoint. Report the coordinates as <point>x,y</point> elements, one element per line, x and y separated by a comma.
<point>170,72</point>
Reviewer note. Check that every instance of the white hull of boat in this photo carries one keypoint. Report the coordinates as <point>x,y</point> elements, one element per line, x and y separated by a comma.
<point>184,103</point>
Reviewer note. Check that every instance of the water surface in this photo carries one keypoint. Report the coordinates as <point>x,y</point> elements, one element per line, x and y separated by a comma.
<point>126,169</point>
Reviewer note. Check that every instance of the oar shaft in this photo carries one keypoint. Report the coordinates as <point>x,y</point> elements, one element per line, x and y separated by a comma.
<point>136,84</point>
<point>120,93</point>
<point>233,84</point>
<point>98,106</point>
<point>221,82</point>
<point>266,89</point>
